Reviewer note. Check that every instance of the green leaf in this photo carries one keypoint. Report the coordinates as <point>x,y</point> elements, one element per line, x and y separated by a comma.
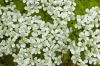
<point>92,4</point>
<point>2,2</point>
<point>67,56</point>
<point>19,5</point>
<point>98,2</point>
<point>80,9</point>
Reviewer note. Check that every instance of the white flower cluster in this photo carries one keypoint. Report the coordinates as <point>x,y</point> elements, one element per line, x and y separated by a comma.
<point>36,42</point>
<point>32,41</point>
<point>65,12</point>
<point>87,49</point>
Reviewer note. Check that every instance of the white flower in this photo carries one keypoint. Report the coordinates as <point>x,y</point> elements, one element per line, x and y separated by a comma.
<point>64,14</point>
<point>13,45</point>
<point>87,10</point>
<point>21,19</point>
<point>24,1</point>
<point>84,35</point>
<point>82,63</point>
<point>79,43</point>
<point>75,57</point>
<point>26,61</point>
<point>0,12</point>
<point>23,45</point>
<point>6,0</point>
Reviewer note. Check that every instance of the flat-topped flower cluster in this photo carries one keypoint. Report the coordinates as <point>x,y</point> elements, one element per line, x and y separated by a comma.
<point>36,42</point>
<point>32,41</point>
<point>89,37</point>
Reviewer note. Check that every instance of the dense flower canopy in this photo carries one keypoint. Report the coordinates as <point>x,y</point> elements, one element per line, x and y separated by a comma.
<point>41,35</point>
